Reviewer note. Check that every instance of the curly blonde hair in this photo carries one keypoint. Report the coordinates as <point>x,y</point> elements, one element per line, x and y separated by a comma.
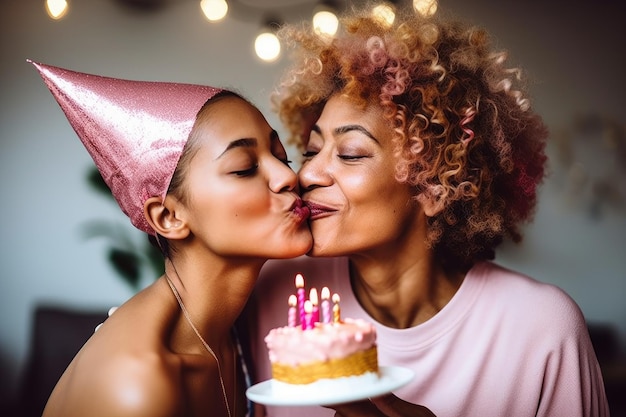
<point>465,136</point>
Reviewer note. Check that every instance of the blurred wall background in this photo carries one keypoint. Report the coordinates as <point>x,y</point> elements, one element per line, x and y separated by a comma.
<point>573,53</point>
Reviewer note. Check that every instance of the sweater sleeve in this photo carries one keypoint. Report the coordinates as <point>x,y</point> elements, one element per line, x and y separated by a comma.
<point>573,383</point>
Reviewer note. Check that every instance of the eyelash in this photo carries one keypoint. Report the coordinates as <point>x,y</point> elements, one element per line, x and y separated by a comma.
<point>251,171</point>
<point>246,172</point>
<point>311,154</point>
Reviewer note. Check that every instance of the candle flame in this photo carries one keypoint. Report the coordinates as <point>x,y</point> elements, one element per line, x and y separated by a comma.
<point>292,300</point>
<point>313,296</point>
<point>299,281</point>
<point>325,293</point>
<point>308,307</point>
<point>336,309</point>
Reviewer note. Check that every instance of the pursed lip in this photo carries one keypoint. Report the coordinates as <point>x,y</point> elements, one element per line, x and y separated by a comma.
<point>319,210</point>
<point>300,210</point>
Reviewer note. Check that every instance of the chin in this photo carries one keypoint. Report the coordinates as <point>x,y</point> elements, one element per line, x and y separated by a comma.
<point>295,249</point>
<point>319,252</point>
<point>305,249</point>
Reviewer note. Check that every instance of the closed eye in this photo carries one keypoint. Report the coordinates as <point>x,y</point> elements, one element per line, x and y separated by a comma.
<point>352,157</point>
<point>246,172</point>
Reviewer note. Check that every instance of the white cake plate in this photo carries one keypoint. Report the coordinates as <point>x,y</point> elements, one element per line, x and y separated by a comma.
<point>391,378</point>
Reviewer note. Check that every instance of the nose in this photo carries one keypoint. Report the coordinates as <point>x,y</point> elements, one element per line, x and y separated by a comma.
<point>316,172</point>
<point>282,177</point>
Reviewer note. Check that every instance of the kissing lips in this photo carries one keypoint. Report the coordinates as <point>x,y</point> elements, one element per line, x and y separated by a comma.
<point>318,210</point>
<point>300,210</point>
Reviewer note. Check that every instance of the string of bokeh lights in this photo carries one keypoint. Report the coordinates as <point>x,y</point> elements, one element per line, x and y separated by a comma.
<point>266,44</point>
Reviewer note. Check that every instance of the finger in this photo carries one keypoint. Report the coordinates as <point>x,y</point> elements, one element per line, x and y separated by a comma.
<point>392,406</point>
<point>111,311</point>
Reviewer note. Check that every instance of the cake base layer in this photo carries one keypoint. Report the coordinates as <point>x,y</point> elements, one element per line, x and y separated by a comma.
<point>354,365</point>
<point>324,386</point>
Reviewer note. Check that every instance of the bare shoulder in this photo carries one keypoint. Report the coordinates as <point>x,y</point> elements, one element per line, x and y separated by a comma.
<point>146,385</point>
<point>124,369</point>
<point>124,384</point>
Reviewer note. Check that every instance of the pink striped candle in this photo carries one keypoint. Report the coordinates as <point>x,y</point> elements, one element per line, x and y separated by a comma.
<point>308,314</point>
<point>291,316</point>
<point>315,313</point>
<point>301,296</point>
<point>326,317</point>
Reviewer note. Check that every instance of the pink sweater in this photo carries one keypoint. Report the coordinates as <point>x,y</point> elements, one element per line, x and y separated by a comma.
<point>505,345</point>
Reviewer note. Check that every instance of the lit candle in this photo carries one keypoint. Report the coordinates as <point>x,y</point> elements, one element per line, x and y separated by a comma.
<point>308,314</point>
<point>301,296</point>
<point>326,317</point>
<point>291,318</point>
<point>336,309</point>
<point>315,305</point>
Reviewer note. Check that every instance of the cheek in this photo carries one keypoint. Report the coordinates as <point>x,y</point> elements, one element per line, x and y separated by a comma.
<point>228,218</point>
<point>370,191</point>
<point>225,203</point>
<point>244,205</point>
<point>380,203</point>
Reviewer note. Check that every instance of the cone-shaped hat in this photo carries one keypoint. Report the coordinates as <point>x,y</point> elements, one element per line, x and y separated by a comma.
<point>135,131</point>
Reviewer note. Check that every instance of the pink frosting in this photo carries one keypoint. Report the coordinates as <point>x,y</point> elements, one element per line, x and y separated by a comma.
<point>294,346</point>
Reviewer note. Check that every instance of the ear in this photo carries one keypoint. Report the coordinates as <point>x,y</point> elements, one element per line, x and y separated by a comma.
<point>167,217</point>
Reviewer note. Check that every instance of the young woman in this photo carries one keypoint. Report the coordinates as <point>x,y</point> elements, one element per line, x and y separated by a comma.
<point>421,155</point>
<point>200,170</point>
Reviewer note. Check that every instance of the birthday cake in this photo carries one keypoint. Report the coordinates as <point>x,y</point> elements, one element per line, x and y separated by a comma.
<point>323,350</point>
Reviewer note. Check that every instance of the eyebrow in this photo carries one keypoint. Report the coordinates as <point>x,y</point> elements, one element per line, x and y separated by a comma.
<point>239,143</point>
<point>345,129</point>
<point>247,143</point>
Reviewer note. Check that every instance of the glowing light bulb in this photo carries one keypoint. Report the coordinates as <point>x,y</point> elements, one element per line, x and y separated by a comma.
<point>385,13</point>
<point>325,23</point>
<point>267,46</point>
<point>56,8</point>
<point>214,10</point>
<point>425,7</point>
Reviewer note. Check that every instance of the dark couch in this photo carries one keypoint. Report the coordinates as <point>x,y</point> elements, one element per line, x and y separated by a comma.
<point>57,335</point>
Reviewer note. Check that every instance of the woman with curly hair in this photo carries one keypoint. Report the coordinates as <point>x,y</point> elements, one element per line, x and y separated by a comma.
<point>422,154</point>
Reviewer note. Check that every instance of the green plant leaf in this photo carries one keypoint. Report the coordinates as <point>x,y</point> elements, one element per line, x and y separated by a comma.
<point>115,232</point>
<point>95,180</point>
<point>155,258</point>
<point>127,264</point>
<point>125,256</point>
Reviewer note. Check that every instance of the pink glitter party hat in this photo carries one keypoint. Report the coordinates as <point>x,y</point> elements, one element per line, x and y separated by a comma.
<point>135,131</point>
